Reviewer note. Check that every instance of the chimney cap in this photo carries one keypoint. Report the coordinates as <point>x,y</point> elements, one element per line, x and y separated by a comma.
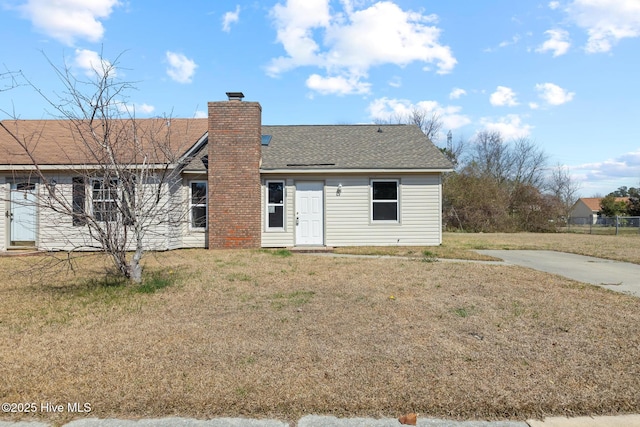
<point>235,96</point>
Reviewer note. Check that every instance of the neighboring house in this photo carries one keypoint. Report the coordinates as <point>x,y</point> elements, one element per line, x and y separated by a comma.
<point>587,209</point>
<point>245,185</point>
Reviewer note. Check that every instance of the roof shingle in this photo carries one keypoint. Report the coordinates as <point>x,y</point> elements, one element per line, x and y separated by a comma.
<point>56,142</point>
<point>350,147</point>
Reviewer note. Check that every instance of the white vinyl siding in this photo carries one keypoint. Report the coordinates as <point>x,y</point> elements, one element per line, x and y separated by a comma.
<point>57,232</point>
<point>348,214</point>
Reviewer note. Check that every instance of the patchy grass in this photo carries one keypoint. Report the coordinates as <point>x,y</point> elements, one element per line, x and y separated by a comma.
<point>621,248</point>
<point>429,253</point>
<point>358,337</point>
<point>463,246</point>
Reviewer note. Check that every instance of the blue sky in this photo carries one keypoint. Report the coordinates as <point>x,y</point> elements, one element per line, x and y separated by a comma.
<point>563,73</point>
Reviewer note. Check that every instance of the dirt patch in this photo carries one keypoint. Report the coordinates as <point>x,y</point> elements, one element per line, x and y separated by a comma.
<point>250,333</point>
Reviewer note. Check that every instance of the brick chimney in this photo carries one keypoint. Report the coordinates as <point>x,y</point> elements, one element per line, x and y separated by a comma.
<point>235,129</point>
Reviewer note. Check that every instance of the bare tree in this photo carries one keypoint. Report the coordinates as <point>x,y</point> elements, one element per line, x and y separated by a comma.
<point>528,163</point>
<point>429,122</point>
<point>9,79</point>
<point>491,156</point>
<point>118,198</point>
<point>517,162</point>
<point>563,187</point>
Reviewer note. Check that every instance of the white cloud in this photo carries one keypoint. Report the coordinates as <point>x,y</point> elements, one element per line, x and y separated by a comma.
<point>396,81</point>
<point>503,96</point>
<point>606,21</point>
<point>200,115</point>
<point>509,126</point>
<point>181,69</point>
<point>92,64</point>
<point>514,40</point>
<point>135,109</point>
<point>145,108</point>
<point>339,85</point>
<point>347,43</point>
<point>456,93</point>
<point>553,5</point>
<point>625,166</point>
<point>534,105</point>
<point>558,42</point>
<point>69,20</point>
<point>230,18</point>
<point>392,109</point>
<point>553,94</point>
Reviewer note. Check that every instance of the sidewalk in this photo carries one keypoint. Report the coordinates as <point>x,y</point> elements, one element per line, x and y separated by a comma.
<point>328,421</point>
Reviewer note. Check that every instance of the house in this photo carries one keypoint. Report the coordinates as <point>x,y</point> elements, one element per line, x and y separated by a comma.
<point>587,209</point>
<point>241,184</point>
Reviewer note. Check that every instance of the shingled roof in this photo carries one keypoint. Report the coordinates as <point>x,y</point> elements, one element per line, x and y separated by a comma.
<point>60,142</point>
<point>300,147</point>
<point>350,147</point>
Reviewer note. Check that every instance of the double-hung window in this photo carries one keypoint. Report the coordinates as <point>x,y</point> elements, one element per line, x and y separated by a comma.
<point>275,205</point>
<point>198,205</point>
<point>105,199</point>
<point>385,203</point>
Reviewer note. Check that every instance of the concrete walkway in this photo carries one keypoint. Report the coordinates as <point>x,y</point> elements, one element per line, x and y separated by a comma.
<point>614,275</point>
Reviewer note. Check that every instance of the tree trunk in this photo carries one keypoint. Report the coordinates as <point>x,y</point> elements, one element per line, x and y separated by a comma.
<point>135,268</point>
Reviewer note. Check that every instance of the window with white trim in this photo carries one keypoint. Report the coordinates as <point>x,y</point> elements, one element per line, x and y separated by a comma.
<point>198,205</point>
<point>104,199</point>
<point>275,205</point>
<point>385,203</point>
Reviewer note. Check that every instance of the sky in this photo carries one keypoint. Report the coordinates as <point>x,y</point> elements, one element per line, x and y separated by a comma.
<point>565,74</point>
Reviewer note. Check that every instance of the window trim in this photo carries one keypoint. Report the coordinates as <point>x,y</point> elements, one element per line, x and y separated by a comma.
<point>114,200</point>
<point>205,205</point>
<point>396,200</point>
<point>283,204</point>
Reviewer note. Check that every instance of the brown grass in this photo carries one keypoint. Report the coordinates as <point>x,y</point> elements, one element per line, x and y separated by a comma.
<point>463,246</point>
<point>622,248</point>
<point>250,333</point>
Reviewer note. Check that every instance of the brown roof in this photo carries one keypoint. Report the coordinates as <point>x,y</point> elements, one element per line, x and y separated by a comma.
<point>64,142</point>
<point>593,203</point>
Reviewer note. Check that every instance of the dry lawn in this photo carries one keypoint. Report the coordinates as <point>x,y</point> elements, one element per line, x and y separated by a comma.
<point>462,246</point>
<point>259,334</point>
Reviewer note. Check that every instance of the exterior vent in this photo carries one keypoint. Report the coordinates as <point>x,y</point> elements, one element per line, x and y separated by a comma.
<point>235,96</point>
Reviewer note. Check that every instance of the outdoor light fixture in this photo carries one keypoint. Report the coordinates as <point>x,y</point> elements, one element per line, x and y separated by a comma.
<point>339,191</point>
<point>52,187</point>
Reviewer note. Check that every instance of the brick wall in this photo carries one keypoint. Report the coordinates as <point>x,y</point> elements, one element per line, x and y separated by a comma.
<point>234,174</point>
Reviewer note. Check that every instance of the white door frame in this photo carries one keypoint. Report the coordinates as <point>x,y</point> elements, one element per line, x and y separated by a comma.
<point>309,211</point>
<point>21,214</point>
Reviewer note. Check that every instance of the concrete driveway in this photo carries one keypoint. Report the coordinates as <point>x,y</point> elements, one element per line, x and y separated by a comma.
<point>614,275</point>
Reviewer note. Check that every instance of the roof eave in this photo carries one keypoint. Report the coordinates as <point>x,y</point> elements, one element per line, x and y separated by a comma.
<point>351,171</point>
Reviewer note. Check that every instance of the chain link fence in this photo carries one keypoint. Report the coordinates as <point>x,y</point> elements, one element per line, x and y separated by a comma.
<point>604,225</point>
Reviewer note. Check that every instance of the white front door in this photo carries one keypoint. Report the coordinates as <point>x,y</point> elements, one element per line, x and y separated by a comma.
<point>22,214</point>
<point>309,213</point>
